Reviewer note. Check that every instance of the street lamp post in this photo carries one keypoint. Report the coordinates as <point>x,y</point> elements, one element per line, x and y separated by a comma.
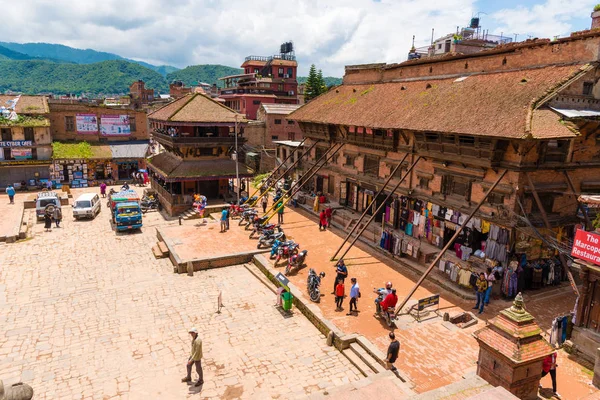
<point>237,169</point>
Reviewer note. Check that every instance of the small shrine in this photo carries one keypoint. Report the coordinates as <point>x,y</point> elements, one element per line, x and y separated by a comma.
<point>511,351</point>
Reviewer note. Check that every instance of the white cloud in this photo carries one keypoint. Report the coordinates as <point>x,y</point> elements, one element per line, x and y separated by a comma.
<point>329,33</point>
<point>552,18</point>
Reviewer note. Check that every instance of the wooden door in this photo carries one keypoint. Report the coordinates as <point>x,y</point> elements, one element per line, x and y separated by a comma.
<point>594,313</point>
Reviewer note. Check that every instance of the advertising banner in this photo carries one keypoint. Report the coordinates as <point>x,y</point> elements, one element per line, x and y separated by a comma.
<point>20,153</point>
<point>586,246</point>
<point>115,125</point>
<point>16,143</point>
<point>86,123</point>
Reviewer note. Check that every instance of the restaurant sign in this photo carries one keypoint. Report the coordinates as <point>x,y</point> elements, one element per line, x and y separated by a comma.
<point>16,143</point>
<point>586,246</point>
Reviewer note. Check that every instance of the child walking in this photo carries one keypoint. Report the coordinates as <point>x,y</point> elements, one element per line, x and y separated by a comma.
<point>339,294</point>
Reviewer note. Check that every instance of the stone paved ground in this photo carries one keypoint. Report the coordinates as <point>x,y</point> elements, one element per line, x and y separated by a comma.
<point>11,213</point>
<point>431,355</point>
<point>88,313</point>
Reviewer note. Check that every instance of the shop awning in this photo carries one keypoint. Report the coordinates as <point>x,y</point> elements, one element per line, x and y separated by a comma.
<point>573,113</point>
<point>129,150</point>
<point>174,169</point>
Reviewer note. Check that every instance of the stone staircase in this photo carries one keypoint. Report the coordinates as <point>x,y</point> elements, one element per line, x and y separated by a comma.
<point>189,214</point>
<point>160,250</point>
<point>362,360</point>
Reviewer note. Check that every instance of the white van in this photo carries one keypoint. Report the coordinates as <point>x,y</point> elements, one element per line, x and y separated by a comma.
<point>45,199</point>
<point>86,206</point>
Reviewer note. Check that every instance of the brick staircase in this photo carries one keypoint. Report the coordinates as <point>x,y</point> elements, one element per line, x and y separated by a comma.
<point>189,214</point>
<point>160,250</point>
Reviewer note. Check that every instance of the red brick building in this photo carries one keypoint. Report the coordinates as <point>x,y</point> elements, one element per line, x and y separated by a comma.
<point>198,135</point>
<point>272,125</point>
<point>178,89</point>
<point>139,94</point>
<point>529,108</point>
<point>266,80</point>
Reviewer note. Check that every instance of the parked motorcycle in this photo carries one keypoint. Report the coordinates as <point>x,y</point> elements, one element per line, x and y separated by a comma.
<point>236,211</point>
<point>255,222</point>
<point>248,216</point>
<point>268,239</point>
<point>296,261</point>
<point>312,285</point>
<point>275,247</point>
<point>287,250</point>
<point>147,204</point>
<point>388,315</point>
<point>260,228</point>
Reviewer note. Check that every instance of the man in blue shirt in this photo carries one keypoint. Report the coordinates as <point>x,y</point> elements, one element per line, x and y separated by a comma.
<point>10,191</point>
<point>224,220</point>
<point>354,295</point>
<point>342,273</point>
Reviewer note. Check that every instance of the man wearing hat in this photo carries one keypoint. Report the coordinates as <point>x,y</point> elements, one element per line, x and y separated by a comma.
<point>195,358</point>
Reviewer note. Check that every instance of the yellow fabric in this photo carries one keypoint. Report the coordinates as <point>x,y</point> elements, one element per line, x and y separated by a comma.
<point>482,285</point>
<point>196,353</point>
<point>485,226</point>
<point>316,204</point>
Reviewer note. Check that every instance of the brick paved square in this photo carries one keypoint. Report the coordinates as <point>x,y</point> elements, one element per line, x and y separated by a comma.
<point>87,313</point>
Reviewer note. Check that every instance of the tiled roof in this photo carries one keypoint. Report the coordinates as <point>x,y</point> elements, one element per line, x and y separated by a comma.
<point>546,124</point>
<point>282,109</point>
<point>489,104</point>
<point>171,167</point>
<point>196,108</point>
<point>27,104</point>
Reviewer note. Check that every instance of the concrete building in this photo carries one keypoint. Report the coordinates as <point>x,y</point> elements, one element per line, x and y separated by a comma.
<point>529,108</point>
<point>272,126</point>
<point>25,141</point>
<point>266,80</point>
<point>198,135</point>
<point>118,138</point>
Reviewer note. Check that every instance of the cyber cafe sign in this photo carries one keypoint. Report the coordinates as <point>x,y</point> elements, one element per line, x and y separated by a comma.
<point>16,143</point>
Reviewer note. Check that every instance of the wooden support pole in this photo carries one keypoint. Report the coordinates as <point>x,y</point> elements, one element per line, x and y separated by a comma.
<point>588,224</point>
<point>274,172</point>
<point>381,206</point>
<point>275,181</point>
<point>368,207</point>
<point>448,244</point>
<point>300,186</point>
<point>561,256</point>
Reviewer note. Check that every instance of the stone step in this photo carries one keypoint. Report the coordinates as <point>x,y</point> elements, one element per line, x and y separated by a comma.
<point>366,358</point>
<point>156,251</point>
<point>358,362</point>
<point>162,246</point>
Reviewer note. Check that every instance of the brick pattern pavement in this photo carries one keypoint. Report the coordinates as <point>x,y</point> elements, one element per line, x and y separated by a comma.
<point>88,313</point>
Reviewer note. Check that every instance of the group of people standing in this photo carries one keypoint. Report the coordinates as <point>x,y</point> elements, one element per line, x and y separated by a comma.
<point>483,288</point>
<point>54,215</point>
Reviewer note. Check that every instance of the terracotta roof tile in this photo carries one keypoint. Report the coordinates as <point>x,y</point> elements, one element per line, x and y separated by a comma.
<point>196,108</point>
<point>27,104</point>
<point>493,104</point>
<point>172,167</point>
<point>547,124</point>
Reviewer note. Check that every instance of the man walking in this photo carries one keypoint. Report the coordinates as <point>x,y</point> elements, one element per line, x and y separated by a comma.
<point>342,273</point>
<point>549,366</point>
<point>481,288</point>
<point>10,191</point>
<point>354,295</point>
<point>227,218</point>
<point>328,214</point>
<point>280,213</point>
<point>223,220</point>
<point>57,216</point>
<point>195,358</point>
<point>264,202</point>
<point>392,352</point>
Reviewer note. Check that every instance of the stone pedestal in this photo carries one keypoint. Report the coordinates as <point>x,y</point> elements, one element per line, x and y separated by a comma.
<point>596,378</point>
<point>511,351</point>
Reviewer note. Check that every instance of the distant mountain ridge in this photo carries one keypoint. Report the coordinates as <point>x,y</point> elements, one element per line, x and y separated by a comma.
<point>34,68</point>
<point>77,56</point>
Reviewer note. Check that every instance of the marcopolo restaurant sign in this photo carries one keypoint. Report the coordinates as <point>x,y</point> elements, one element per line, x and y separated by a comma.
<point>586,246</point>
<point>16,143</point>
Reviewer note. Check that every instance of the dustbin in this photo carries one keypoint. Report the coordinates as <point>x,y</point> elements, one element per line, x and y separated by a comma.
<point>287,301</point>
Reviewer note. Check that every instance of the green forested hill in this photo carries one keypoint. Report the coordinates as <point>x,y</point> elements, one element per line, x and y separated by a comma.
<point>107,77</point>
<point>208,73</point>
<point>329,80</point>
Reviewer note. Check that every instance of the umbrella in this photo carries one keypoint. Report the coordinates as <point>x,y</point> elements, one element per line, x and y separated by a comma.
<point>142,170</point>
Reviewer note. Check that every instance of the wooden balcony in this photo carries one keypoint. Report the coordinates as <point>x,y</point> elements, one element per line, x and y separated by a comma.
<point>194,141</point>
<point>379,142</point>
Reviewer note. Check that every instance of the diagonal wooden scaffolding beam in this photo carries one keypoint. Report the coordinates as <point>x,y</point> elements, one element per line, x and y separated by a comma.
<point>381,206</point>
<point>448,244</point>
<point>368,207</point>
<point>274,182</point>
<point>588,224</point>
<point>302,182</point>
<point>561,256</point>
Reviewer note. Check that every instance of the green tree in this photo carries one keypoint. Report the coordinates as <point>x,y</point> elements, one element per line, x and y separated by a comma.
<point>311,87</point>
<point>322,87</point>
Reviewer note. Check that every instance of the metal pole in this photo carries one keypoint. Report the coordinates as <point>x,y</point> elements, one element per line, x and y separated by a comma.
<point>588,224</point>
<point>449,243</point>
<point>380,206</point>
<point>237,169</point>
<point>291,166</point>
<point>274,172</point>
<point>324,156</point>
<point>298,188</point>
<point>367,209</point>
<point>561,256</point>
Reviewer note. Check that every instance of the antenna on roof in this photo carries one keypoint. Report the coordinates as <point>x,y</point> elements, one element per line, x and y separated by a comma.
<point>432,31</point>
<point>516,36</point>
<point>413,43</point>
